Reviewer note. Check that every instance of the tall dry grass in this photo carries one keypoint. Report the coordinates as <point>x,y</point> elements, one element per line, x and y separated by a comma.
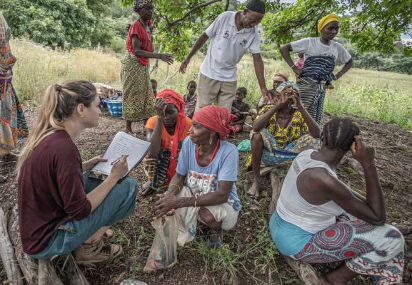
<point>383,96</point>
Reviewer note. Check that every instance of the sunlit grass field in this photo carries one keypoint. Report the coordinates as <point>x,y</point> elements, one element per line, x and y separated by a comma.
<point>382,96</point>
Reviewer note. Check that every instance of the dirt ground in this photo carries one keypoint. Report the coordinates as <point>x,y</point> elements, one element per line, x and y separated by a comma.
<point>248,256</point>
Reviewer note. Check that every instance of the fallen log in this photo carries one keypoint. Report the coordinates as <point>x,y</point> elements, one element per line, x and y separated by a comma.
<point>39,272</point>
<point>8,257</point>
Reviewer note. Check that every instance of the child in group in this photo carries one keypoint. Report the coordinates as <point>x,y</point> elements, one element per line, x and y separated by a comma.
<point>154,86</point>
<point>240,109</point>
<point>190,99</point>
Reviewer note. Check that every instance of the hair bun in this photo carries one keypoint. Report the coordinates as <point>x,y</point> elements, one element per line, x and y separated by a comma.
<point>58,88</point>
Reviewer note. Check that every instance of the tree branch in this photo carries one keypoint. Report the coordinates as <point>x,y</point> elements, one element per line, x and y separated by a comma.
<point>227,5</point>
<point>174,23</point>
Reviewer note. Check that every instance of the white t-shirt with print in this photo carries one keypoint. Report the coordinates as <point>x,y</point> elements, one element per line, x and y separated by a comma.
<point>314,47</point>
<point>227,47</point>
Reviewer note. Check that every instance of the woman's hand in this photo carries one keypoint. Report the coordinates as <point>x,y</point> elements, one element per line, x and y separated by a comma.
<point>160,107</point>
<point>166,205</point>
<point>297,70</point>
<point>120,168</point>
<point>296,101</point>
<point>87,165</point>
<point>167,57</point>
<point>364,154</point>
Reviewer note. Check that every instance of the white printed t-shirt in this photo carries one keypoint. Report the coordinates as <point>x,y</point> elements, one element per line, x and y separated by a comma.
<point>202,180</point>
<point>314,47</point>
<point>227,47</point>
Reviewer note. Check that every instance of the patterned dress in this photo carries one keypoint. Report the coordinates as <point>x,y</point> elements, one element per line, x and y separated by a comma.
<point>138,99</point>
<point>12,122</point>
<point>284,143</point>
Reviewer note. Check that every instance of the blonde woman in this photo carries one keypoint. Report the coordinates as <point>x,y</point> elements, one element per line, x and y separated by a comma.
<point>60,209</point>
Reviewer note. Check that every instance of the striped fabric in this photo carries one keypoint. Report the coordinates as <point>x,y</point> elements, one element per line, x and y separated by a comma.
<point>319,68</point>
<point>317,72</point>
<point>156,169</point>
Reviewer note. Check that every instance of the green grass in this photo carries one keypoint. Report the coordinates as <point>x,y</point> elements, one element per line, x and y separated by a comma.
<point>382,96</point>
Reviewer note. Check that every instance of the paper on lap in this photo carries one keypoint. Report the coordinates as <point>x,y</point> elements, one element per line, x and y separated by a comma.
<point>123,144</point>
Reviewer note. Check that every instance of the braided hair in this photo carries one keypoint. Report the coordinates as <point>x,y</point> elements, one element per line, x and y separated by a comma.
<point>340,133</point>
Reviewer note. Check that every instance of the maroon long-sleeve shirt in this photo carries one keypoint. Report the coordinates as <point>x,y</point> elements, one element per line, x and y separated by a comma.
<point>51,191</point>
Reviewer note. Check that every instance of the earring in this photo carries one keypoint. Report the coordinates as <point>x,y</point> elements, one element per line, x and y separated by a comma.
<point>210,141</point>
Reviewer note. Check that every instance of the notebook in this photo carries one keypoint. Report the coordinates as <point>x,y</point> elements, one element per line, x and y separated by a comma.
<point>122,144</point>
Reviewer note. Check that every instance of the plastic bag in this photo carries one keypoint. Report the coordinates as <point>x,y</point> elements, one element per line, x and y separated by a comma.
<point>245,145</point>
<point>163,253</point>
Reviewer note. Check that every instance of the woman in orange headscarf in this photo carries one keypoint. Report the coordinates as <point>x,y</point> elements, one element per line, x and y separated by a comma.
<point>166,131</point>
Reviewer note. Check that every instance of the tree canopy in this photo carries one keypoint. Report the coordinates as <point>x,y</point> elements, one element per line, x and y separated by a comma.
<point>369,25</point>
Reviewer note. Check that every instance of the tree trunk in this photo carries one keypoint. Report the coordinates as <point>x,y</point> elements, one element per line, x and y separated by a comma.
<point>8,257</point>
<point>276,183</point>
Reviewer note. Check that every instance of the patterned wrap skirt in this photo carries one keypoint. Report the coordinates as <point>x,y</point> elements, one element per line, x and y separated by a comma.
<point>377,251</point>
<point>138,99</point>
<point>13,125</point>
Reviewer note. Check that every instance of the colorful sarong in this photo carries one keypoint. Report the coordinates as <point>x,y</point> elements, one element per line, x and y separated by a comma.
<point>156,169</point>
<point>377,251</point>
<point>317,72</point>
<point>13,125</point>
<point>138,99</point>
<point>272,154</point>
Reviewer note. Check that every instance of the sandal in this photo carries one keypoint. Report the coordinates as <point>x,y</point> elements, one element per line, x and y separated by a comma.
<point>216,243</point>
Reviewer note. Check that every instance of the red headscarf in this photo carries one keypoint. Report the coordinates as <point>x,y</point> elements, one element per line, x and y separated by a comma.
<point>172,97</point>
<point>217,119</point>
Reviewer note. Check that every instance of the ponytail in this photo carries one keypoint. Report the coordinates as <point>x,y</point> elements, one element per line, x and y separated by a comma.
<point>58,104</point>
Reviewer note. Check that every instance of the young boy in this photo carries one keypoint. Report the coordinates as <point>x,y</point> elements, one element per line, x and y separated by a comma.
<point>240,109</point>
<point>154,86</point>
<point>190,99</point>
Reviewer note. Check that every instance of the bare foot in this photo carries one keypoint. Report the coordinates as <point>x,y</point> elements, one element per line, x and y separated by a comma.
<point>129,131</point>
<point>404,229</point>
<point>254,190</point>
<point>147,188</point>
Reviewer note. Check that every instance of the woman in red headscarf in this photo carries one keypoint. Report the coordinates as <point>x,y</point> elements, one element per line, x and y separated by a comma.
<point>166,132</point>
<point>203,188</point>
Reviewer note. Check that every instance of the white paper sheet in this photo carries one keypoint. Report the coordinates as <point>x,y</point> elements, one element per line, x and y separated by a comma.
<point>123,144</point>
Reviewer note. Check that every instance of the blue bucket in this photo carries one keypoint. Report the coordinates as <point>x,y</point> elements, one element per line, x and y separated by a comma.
<point>115,106</point>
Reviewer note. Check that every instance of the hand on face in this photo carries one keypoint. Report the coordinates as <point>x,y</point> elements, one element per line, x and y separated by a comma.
<point>160,107</point>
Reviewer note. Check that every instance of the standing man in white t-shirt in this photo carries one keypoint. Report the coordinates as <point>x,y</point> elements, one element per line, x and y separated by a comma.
<point>231,34</point>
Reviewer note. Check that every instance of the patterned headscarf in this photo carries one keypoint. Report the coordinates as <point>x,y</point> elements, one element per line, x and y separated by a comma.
<point>326,20</point>
<point>139,4</point>
<point>285,84</point>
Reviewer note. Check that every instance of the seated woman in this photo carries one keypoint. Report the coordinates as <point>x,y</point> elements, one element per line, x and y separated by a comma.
<point>310,224</point>
<point>203,188</point>
<point>60,208</point>
<point>280,132</point>
<point>166,132</point>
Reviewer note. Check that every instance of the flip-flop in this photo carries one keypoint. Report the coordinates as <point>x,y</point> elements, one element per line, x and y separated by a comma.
<point>213,244</point>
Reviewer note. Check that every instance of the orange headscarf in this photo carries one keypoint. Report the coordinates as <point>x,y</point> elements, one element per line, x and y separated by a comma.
<point>172,97</point>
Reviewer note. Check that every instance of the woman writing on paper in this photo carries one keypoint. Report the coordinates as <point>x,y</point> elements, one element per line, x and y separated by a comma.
<point>60,209</point>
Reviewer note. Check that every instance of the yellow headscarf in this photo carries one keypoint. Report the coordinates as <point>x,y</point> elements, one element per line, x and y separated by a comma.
<point>326,20</point>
